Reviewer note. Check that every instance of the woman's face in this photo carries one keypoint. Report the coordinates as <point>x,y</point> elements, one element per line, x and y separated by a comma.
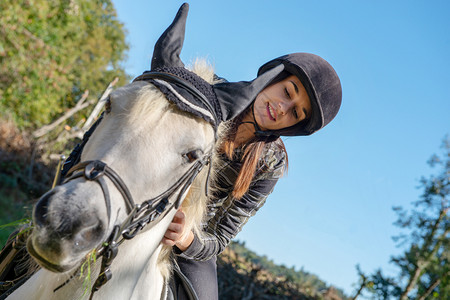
<point>282,104</point>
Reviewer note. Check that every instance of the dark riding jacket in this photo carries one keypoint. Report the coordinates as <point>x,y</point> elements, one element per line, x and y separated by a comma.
<point>227,215</point>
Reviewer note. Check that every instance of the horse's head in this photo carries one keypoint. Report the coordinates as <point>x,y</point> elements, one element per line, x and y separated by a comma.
<point>148,142</point>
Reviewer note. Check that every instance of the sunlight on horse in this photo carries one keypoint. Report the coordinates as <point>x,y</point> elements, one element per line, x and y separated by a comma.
<point>144,139</point>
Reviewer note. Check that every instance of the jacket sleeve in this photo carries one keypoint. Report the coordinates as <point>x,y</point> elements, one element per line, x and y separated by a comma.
<point>229,218</point>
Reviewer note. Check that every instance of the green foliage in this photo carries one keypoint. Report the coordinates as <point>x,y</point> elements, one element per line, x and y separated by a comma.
<point>298,276</point>
<point>21,178</point>
<point>53,50</point>
<point>308,283</point>
<point>86,266</point>
<point>424,271</point>
<point>12,213</point>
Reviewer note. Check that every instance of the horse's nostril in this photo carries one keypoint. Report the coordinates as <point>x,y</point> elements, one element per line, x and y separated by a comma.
<point>41,209</point>
<point>88,236</point>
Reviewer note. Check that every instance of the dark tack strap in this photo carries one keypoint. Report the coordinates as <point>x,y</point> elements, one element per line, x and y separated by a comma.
<point>15,287</point>
<point>93,170</point>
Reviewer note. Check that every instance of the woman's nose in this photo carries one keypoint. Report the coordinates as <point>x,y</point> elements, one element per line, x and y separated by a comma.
<point>284,107</point>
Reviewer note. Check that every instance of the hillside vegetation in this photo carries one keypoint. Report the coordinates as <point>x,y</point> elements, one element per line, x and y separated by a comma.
<point>245,275</point>
<point>51,51</point>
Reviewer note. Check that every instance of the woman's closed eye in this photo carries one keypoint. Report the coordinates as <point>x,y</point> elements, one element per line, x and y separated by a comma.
<point>287,93</point>
<point>295,113</point>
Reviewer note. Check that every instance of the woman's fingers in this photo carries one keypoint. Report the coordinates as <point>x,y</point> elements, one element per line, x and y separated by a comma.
<point>167,242</point>
<point>172,235</point>
<point>175,229</point>
<point>179,217</point>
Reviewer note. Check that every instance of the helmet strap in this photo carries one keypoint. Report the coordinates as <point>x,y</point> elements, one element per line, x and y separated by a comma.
<point>267,135</point>
<point>258,131</point>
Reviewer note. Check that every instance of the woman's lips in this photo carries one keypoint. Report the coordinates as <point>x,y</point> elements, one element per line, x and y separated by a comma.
<point>271,112</point>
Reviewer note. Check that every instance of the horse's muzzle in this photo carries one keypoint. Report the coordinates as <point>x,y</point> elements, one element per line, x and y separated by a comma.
<point>64,230</point>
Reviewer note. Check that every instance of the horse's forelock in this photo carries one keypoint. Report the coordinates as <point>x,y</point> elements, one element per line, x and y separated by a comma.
<point>149,103</point>
<point>204,69</point>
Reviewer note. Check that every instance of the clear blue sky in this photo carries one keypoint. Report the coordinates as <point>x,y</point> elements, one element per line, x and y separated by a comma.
<point>333,209</point>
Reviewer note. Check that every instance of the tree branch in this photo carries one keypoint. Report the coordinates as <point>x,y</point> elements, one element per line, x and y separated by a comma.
<point>79,106</point>
<point>99,105</point>
<point>421,265</point>
<point>362,286</point>
<point>430,289</point>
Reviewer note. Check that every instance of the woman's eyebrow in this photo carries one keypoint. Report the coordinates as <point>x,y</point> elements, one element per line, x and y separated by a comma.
<point>295,86</point>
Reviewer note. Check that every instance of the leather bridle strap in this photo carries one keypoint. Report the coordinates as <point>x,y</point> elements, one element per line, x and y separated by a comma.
<point>75,155</point>
<point>149,210</point>
<point>93,171</point>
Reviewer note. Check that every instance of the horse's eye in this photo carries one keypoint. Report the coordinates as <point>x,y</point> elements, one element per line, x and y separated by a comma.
<point>108,105</point>
<point>192,156</point>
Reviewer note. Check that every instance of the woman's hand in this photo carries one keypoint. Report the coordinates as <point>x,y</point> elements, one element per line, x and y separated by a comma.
<point>173,235</point>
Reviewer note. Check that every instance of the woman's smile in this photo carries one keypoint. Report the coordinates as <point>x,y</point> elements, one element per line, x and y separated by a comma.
<point>282,104</point>
<point>271,112</point>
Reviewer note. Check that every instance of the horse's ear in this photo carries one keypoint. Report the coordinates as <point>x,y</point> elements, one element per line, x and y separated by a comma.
<point>168,47</point>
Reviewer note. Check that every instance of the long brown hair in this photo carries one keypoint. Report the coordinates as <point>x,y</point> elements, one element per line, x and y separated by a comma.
<point>252,153</point>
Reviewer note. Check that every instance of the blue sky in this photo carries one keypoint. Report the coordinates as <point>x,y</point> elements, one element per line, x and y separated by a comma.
<point>334,208</point>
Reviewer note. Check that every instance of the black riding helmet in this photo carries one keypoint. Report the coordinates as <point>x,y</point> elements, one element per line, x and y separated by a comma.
<point>322,85</point>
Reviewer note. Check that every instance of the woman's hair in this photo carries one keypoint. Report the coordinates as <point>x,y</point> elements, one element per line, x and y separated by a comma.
<point>252,152</point>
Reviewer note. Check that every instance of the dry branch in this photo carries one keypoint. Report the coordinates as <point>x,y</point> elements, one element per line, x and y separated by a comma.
<point>99,105</point>
<point>425,261</point>
<point>79,106</point>
<point>361,287</point>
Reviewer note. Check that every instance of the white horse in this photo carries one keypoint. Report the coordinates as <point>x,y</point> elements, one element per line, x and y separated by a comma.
<point>150,144</point>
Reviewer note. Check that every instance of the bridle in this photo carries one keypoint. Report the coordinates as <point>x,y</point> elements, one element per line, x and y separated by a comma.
<point>139,216</point>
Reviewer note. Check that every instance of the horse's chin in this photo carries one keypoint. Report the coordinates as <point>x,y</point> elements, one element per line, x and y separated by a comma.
<point>45,263</point>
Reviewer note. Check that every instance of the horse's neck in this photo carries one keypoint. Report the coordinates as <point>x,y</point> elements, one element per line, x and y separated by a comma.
<point>135,273</point>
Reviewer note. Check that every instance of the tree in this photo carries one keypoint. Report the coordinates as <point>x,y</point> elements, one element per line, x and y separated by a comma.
<point>424,267</point>
<point>51,51</point>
